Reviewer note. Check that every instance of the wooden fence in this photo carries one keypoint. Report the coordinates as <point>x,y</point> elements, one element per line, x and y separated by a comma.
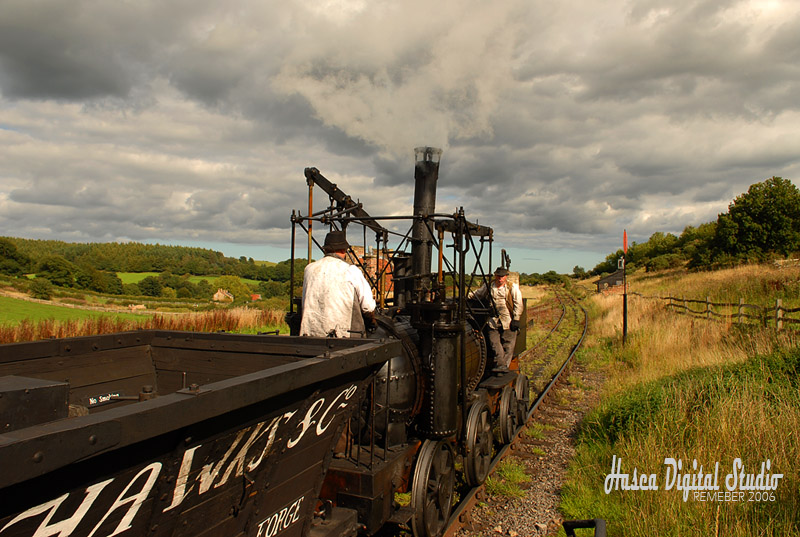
<point>732,312</point>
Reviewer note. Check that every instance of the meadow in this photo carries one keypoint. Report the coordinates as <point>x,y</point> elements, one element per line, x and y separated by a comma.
<point>13,310</point>
<point>703,392</point>
<point>22,320</point>
<point>136,277</point>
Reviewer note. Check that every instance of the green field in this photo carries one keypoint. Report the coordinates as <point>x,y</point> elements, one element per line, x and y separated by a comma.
<point>13,311</point>
<point>136,277</point>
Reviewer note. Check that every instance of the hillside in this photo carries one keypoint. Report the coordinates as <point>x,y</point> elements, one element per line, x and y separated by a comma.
<point>704,391</point>
<point>135,270</point>
<point>28,255</point>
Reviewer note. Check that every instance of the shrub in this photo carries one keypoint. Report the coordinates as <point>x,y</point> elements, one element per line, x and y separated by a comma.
<point>131,289</point>
<point>41,288</point>
<point>150,286</point>
<point>58,270</point>
<point>168,292</point>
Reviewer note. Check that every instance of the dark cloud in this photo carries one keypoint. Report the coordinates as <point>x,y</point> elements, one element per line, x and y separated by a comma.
<point>560,123</point>
<point>70,50</point>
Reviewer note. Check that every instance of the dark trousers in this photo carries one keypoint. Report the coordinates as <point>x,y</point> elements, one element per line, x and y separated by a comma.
<point>502,343</point>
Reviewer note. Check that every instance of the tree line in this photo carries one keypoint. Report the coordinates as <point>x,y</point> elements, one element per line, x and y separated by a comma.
<point>138,257</point>
<point>760,224</point>
<point>94,267</point>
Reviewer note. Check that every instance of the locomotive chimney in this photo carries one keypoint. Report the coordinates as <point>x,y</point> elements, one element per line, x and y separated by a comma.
<point>426,173</point>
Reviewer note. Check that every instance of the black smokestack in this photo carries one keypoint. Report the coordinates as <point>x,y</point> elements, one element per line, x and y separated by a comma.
<point>426,173</point>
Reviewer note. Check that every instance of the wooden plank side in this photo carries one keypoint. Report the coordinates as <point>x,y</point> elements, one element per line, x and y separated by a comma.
<point>253,345</point>
<point>86,369</point>
<point>172,381</point>
<point>231,463</point>
<point>125,387</point>
<point>13,352</point>
<point>122,371</point>
<point>215,362</point>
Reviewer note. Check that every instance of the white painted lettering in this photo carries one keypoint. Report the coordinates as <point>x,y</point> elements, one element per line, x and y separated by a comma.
<point>281,517</point>
<point>273,428</point>
<point>180,491</point>
<point>281,520</point>
<point>216,473</point>
<point>64,527</point>
<point>348,393</point>
<point>272,524</point>
<point>136,500</point>
<point>210,471</point>
<point>307,421</point>
<point>237,462</point>
<point>296,514</point>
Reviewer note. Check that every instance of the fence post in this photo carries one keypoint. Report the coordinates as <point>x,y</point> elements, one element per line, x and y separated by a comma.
<point>708,307</point>
<point>741,310</point>
<point>685,305</point>
<point>778,314</point>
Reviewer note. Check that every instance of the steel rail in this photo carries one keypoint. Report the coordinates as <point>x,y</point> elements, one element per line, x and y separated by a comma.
<point>536,345</point>
<point>459,514</point>
<point>557,376</point>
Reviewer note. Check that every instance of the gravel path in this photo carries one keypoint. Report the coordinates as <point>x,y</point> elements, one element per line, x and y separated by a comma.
<point>545,452</point>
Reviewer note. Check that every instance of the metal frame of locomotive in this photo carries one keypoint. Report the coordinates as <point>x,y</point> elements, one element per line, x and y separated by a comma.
<point>434,404</point>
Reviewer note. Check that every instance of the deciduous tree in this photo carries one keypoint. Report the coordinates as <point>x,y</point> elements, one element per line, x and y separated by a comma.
<point>58,270</point>
<point>764,219</point>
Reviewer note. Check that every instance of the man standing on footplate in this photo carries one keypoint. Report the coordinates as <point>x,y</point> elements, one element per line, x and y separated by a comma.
<point>503,327</point>
<point>337,299</point>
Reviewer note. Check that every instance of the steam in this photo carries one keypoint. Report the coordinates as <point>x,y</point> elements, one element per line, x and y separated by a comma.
<point>390,74</point>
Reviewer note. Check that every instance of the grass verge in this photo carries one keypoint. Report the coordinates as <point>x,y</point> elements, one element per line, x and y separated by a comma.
<point>748,411</point>
<point>702,393</point>
<point>507,479</point>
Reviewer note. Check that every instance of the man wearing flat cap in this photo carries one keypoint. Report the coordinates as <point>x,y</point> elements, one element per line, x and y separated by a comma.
<point>335,294</point>
<point>504,326</point>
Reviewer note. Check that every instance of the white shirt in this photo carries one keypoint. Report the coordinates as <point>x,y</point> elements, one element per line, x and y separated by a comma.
<point>333,291</point>
<point>499,296</point>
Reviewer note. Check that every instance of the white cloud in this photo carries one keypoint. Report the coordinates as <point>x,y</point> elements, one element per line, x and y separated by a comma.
<point>561,122</point>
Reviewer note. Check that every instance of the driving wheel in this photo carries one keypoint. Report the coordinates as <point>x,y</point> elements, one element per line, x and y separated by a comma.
<point>508,415</point>
<point>479,443</point>
<point>432,489</point>
<point>523,391</point>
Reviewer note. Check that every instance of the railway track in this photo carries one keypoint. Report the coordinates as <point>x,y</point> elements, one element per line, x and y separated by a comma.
<point>546,363</point>
<point>560,345</point>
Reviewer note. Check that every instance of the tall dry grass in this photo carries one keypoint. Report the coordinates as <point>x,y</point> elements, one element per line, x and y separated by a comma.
<point>662,342</point>
<point>757,284</point>
<point>228,320</point>
<point>749,411</point>
<point>692,389</point>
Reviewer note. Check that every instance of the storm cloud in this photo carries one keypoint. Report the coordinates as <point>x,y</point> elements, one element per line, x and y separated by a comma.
<point>561,124</point>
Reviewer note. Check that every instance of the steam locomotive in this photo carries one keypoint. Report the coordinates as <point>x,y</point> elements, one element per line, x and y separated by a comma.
<point>168,433</point>
<point>438,401</point>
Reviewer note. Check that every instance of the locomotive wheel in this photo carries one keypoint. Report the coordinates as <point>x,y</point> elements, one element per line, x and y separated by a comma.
<point>479,443</point>
<point>508,415</point>
<point>523,391</point>
<point>432,489</point>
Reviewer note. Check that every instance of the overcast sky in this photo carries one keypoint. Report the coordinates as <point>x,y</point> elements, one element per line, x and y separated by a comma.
<point>191,121</point>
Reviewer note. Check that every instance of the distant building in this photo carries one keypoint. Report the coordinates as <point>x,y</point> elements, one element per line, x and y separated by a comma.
<point>369,261</point>
<point>222,295</point>
<point>609,282</point>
